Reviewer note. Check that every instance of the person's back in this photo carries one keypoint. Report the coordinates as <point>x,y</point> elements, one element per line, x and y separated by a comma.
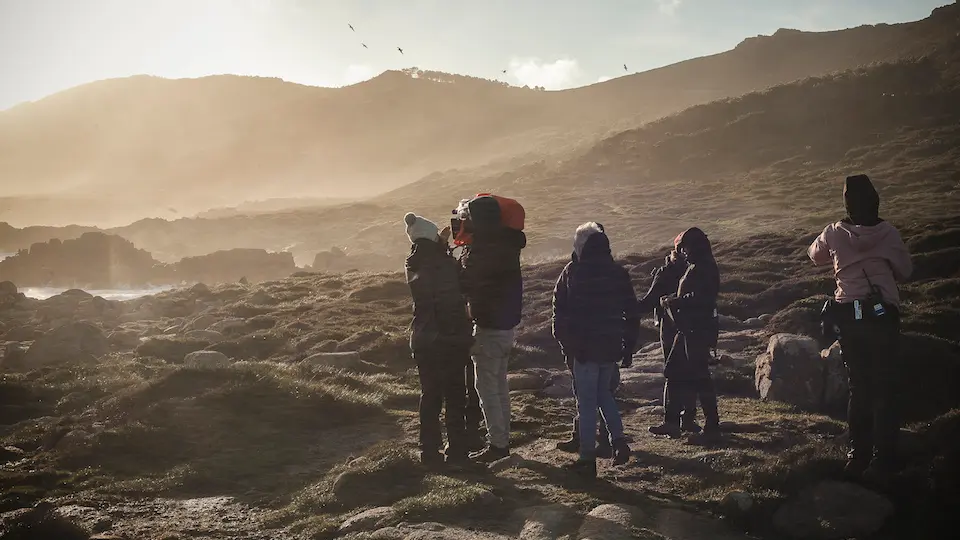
<point>869,258</point>
<point>492,280</point>
<point>439,314</point>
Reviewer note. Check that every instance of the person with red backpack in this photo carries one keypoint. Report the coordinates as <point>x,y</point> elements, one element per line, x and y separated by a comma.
<point>490,228</point>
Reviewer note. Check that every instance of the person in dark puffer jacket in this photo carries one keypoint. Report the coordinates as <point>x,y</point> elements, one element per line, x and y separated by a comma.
<point>693,311</point>
<point>666,281</point>
<point>440,340</point>
<point>596,323</point>
<point>493,284</point>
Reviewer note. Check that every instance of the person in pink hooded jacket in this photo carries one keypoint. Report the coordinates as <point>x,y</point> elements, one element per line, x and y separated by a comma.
<point>869,258</point>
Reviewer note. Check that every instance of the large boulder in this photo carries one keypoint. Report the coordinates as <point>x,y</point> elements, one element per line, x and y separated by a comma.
<point>832,511</point>
<point>610,522</point>
<point>544,522</point>
<point>76,341</point>
<point>372,519</point>
<point>791,371</point>
<point>9,295</point>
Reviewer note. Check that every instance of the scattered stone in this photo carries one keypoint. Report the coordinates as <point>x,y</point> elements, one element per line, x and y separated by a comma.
<point>338,360</point>
<point>833,511</point>
<point>610,522</point>
<point>205,335</point>
<point>791,371</point>
<point>72,342</point>
<point>375,518</point>
<point>640,385</point>
<point>544,522</point>
<point>730,323</point>
<point>206,360</point>
<point>513,461</point>
<point>525,381</point>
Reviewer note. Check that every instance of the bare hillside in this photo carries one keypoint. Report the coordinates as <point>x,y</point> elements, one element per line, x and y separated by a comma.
<point>144,145</point>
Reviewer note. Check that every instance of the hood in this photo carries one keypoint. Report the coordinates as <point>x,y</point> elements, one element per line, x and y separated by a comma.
<point>861,200</point>
<point>696,244</point>
<point>590,243</point>
<point>866,237</point>
<point>423,252</point>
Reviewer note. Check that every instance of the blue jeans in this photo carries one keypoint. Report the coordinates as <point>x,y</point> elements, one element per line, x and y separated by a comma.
<point>595,389</point>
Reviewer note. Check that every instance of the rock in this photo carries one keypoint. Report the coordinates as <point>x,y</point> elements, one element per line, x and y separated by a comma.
<point>610,522</point>
<point>765,318</point>
<point>206,360</point>
<point>9,295</point>
<point>544,522</point>
<point>375,518</point>
<point>736,502</point>
<point>171,349</point>
<point>833,510</point>
<point>753,322</point>
<point>74,440</point>
<point>200,289</point>
<point>558,391</point>
<point>124,340</point>
<point>640,385</point>
<point>791,371</point>
<point>513,461</point>
<point>41,521</point>
<point>525,381</point>
<point>337,360</point>
<point>262,298</point>
<point>205,335</point>
<point>8,288</point>
<point>225,326</point>
<point>203,322</point>
<point>76,341</point>
<point>835,380</point>
<point>730,323</point>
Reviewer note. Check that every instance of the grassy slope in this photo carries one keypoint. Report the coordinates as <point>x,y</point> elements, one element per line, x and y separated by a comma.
<point>279,436</point>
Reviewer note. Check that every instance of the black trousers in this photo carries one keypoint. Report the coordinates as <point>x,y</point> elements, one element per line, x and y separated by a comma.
<point>473,414</point>
<point>680,397</point>
<point>442,385</point>
<point>870,350</point>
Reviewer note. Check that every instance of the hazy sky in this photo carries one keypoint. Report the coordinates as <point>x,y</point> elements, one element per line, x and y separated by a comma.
<point>50,45</point>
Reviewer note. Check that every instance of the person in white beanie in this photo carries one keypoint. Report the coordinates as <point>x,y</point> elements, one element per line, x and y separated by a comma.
<point>440,341</point>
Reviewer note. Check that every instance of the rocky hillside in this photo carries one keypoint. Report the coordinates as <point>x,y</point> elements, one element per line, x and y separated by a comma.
<point>149,145</point>
<point>287,410</point>
<point>100,261</point>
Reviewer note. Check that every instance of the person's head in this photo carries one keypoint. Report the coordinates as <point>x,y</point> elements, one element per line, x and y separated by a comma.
<point>861,200</point>
<point>590,242</point>
<point>693,245</point>
<point>421,228</point>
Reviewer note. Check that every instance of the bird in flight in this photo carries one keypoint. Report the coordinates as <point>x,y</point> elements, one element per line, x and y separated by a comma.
<point>365,46</point>
<point>399,49</point>
<point>625,67</point>
<point>504,71</point>
<point>351,26</point>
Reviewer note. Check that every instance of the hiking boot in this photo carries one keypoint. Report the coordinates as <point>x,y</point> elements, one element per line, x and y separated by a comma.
<point>491,454</point>
<point>621,452</point>
<point>710,435</point>
<point>583,467</point>
<point>690,427</point>
<point>604,450</point>
<point>476,441</point>
<point>670,430</point>
<point>570,445</point>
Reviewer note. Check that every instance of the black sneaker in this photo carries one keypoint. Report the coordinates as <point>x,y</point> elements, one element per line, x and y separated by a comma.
<point>621,452</point>
<point>476,442</point>
<point>491,454</point>
<point>672,431</point>
<point>583,467</point>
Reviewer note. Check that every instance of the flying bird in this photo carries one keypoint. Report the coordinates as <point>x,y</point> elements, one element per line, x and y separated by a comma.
<point>399,49</point>
<point>625,67</point>
<point>504,71</point>
<point>351,26</point>
<point>365,46</point>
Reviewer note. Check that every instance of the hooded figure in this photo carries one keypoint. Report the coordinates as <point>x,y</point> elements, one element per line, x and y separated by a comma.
<point>869,258</point>
<point>596,323</point>
<point>692,310</point>
<point>440,340</point>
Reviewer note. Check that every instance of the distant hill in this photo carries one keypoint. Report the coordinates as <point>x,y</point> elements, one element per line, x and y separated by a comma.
<point>143,144</point>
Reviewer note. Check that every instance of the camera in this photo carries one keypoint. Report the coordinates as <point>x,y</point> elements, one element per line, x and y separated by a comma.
<point>460,224</point>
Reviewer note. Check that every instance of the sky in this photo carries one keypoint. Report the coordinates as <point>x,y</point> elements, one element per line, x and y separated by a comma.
<point>50,45</point>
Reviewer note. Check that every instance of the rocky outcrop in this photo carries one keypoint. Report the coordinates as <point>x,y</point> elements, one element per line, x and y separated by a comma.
<point>791,371</point>
<point>832,511</point>
<point>230,266</point>
<point>9,295</point>
<point>74,342</point>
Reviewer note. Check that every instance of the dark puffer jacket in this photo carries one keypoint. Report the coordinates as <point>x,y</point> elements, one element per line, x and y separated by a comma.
<point>491,278</point>
<point>595,315</point>
<point>666,281</point>
<point>693,311</point>
<point>439,313</point>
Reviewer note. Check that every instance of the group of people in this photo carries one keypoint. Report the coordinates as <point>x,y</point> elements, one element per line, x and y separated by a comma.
<point>466,310</point>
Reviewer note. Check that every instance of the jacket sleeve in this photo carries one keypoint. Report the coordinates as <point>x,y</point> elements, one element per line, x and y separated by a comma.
<point>631,315</point>
<point>819,250</point>
<point>699,294</point>
<point>561,312</point>
<point>661,286</point>
<point>899,257</point>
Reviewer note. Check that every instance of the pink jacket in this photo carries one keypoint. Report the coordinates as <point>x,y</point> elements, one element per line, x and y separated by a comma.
<point>877,250</point>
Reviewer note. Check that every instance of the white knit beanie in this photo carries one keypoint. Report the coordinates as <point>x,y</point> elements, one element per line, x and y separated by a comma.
<point>420,227</point>
<point>584,232</point>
